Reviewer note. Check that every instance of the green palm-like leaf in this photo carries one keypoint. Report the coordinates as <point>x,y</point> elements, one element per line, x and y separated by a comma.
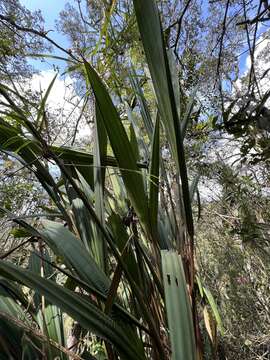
<point>178,307</point>
<point>154,47</point>
<point>121,146</point>
<point>88,315</point>
<point>12,338</point>
<point>12,140</point>
<point>146,117</point>
<point>154,179</point>
<point>65,244</point>
<point>214,309</point>
<point>100,151</point>
<point>49,318</point>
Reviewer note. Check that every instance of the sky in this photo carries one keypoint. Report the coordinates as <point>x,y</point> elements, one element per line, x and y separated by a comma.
<point>50,10</point>
<point>62,95</point>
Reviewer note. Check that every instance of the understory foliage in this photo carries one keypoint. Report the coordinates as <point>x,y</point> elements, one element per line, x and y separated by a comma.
<point>149,241</point>
<point>104,231</point>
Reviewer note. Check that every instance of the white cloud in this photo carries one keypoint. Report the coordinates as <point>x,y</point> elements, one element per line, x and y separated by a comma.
<point>262,73</point>
<point>63,107</point>
<point>42,80</point>
<point>261,45</point>
<point>64,103</point>
<point>261,65</point>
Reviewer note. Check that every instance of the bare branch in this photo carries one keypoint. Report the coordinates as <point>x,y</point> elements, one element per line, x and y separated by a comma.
<point>257,18</point>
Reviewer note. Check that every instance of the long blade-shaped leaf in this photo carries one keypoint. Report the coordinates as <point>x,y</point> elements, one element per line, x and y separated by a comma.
<point>146,117</point>
<point>42,105</point>
<point>100,151</point>
<point>154,179</point>
<point>214,308</point>
<point>30,151</point>
<point>152,38</point>
<point>121,146</point>
<point>64,243</point>
<point>49,316</point>
<point>178,307</point>
<point>11,336</point>
<point>88,315</point>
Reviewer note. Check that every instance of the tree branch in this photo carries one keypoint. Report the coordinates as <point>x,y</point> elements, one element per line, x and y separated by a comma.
<point>257,18</point>
<point>42,34</point>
